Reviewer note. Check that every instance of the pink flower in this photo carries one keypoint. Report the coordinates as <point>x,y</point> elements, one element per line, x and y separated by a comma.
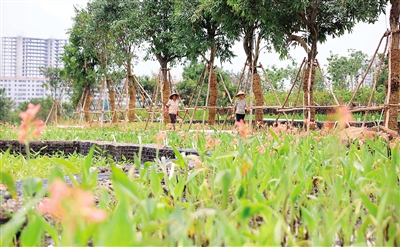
<point>159,138</point>
<point>30,113</point>
<point>261,149</point>
<point>342,116</point>
<point>30,127</point>
<point>242,129</point>
<point>182,134</point>
<point>197,162</point>
<point>71,204</point>
<point>212,142</point>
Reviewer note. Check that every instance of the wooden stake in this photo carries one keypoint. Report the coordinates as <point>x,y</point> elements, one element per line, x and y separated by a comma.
<point>309,95</point>
<point>375,82</point>
<point>367,71</point>
<point>389,91</point>
<point>273,89</point>
<point>291,88</point>
<point>150,113</point>
<point>226,89</point>
<point>197,101</point>
<point>208,93</point>
<point>251,98</point>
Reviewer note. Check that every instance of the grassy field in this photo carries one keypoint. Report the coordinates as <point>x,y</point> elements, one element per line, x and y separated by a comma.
<point>273,188</point>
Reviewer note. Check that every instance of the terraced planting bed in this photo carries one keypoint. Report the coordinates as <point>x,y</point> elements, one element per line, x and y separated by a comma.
<point>275,187</point>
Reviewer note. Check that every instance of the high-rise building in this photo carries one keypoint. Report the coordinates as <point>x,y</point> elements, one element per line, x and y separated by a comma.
<point>20,61</point>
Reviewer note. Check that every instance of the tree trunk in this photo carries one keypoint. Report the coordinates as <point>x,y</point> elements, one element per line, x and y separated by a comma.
<point>132,92</point>
<point>259,97</point>
<point>86,106</point>
<point>391,118</point>
<point>305,90</point>
<point>213,84</point>
<point>111,96</point>
<point>257,86</point>
<point>213,99</point>
<point>166,89</point>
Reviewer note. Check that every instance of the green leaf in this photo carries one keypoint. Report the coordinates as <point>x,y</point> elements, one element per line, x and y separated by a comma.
<point>227,155</point>
<point>155,183</point>
<point>32,233</point>
<point>56,173</point>
<point>87,180</point>
<point>273,135</point>
<point>32,185</point>
<point>371,207</point>
<point>179,158</point>
<point>9,182</point>
<point>10,229</point>
<point>123,186</point>
<point>120,230</point>
<point>193,175</point>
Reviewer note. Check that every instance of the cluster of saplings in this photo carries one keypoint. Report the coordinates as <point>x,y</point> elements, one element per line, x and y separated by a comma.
<point>108,38</point>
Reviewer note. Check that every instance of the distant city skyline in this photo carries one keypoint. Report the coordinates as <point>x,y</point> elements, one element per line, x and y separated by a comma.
<point>52,18</point>
<point>20,61</point>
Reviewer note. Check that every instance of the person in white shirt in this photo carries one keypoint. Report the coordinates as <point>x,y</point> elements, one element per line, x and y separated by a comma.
<point>172,107</point>
<point>240,107</point>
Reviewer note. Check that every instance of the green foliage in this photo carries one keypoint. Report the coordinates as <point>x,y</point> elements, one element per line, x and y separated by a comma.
<point>160,31</point>
<point>46,104</point>
<point>346,72</point>
<point>205,29</point>
<point>55,83</point>
<point>266,189</point>
<point>307,23</point>
<point>6,106</point>
<point>192,76</point>
<point>80,62</point>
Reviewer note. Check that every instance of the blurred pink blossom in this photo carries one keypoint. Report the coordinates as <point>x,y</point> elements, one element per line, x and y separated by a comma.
<point>30,127</point>
<point>70,204</point>
<point>242,128</point>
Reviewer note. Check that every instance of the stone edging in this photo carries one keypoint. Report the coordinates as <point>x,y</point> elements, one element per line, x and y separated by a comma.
<point>105,149</point>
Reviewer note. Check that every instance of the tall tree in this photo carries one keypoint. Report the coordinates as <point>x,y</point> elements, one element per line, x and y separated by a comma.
<point>58,86</point>
<point>391,113</point>
<point>252,20</point>
<point>80,62</point>
<point>204,31</point>
<point>99,40</point>
<point>115,26</point>
<point>310,22</point>
<point>160,32</point>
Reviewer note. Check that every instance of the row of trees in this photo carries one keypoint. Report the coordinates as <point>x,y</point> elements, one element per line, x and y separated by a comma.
<point>107,36</point>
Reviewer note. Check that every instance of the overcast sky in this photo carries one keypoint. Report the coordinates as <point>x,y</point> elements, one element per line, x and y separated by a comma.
<point>51,19</point>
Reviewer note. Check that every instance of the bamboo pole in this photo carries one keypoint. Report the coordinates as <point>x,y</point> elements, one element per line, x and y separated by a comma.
<point>208,93</point>
<point>251,98</point>
<point>141,87</point>
<point>197,101</point>
<point>150,113</point>
<point>367,71</point>
<point>309,95</point>
<point>389,91</point>
<point>326,83</point>
<point>126,89</point>
<point>298,96</point>
<point>241,76</point>
<point>197,84</point>
<point>50,112</point>
<point>226,89</point>
<point>273,89</point>
<point>375,82</point>
<point>375,108</point>
<point>291,88</point>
